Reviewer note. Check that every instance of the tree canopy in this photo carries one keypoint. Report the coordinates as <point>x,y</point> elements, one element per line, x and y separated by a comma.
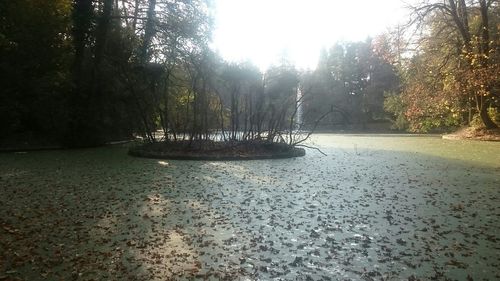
<point>453,75</point>
<point>81,73</point>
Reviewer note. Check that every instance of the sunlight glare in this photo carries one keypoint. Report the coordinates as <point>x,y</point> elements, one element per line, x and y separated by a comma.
<point>263,31</point>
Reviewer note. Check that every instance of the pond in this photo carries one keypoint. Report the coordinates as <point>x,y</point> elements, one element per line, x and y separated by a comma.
<point>375,208</point>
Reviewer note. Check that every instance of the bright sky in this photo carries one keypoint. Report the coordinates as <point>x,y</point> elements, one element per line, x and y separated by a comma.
<point>263,30</point>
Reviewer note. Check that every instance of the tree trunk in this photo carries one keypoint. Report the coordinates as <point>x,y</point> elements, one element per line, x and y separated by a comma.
<point>149,32</point>
<point>82,21</point>
<point>485,50</point>
<point>102,36</point>
<point>76,134</point>
<point>482,107</point>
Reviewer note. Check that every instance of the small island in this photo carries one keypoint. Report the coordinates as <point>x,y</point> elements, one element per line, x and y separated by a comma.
<point>212,150</point>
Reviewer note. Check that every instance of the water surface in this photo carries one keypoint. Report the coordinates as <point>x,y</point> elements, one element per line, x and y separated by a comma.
<point>376,207</point>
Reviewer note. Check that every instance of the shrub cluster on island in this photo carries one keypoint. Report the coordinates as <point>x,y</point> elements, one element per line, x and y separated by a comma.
<point>216,150</point>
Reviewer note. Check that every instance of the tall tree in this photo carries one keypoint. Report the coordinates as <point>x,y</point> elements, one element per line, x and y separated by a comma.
<point>34,63</point>
<point>91,25</point>
<point>469,21</point>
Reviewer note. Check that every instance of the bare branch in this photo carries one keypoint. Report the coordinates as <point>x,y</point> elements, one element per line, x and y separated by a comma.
<point>316,123</point>
<point>312,147</point>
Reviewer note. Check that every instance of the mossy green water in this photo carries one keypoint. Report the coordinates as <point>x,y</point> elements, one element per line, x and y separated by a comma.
<point>374,207</point>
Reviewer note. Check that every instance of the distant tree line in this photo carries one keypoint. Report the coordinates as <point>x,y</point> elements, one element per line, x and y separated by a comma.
<point>83,72</point>
<point>351,79</point>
